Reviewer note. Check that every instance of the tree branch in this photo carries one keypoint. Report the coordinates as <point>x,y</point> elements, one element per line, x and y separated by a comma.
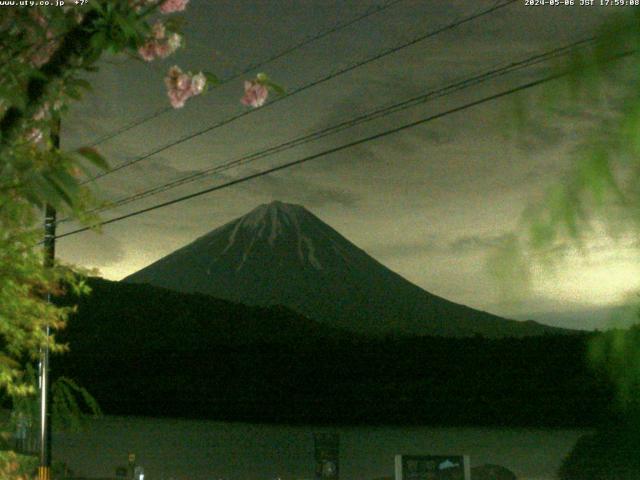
<point>75,44</point>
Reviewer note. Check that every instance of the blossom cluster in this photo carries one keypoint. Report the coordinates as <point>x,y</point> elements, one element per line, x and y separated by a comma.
<point>171,6</point>
<point>159,45</point>
<point>255,93</point>
<point>183,85</point>
<point>43,50</point>
<point>167,6</point>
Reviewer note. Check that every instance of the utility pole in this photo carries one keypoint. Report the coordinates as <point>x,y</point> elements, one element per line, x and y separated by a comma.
<point>44,470</point>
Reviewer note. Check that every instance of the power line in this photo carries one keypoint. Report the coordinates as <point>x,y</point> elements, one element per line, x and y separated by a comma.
<point>377,113</point>
<point>369,12</point>
<point>326,78</point>
<point>308,158</point>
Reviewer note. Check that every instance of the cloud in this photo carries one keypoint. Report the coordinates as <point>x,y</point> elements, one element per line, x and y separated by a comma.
<point>475,243</point>
<point>415,248</point>
<point>138,177</point>
<point>296,189</point>
<point>361,103</point>
<point>91,249</point>
<point>439,245</point>
<point>538,136</point>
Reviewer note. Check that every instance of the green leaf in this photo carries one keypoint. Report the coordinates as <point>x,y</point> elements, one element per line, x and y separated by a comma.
<point>125,24</point>
<point>94,157</point>
<point>266,81</point>
<point>45,191</point>
<point>72,92</point>
<point>66,183</point>
<point>541,234</point>
<point>81,83</point>
<point>99,41</point>
<point>32,196</point>
<point>275,87</point>
<point>63,195</point>
<point>212,79</point>
<point>99,7</point>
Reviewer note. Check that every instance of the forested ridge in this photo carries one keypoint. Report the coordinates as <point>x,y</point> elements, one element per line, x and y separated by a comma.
<point>148,351</point>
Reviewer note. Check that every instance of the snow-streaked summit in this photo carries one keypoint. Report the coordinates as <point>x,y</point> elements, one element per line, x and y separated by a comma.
<point>270,221</point>
<point>282,254</point>
<point>274,216</point>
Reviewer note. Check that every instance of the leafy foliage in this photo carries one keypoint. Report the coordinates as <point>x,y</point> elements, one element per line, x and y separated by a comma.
<point>44,50</point>
<point>599,89</point>
<point>44,53</point>
<point>71,404</point>
<point>610,453</point>
<point>599,191</point>
<point>17,467</point>
<point>617,354</point>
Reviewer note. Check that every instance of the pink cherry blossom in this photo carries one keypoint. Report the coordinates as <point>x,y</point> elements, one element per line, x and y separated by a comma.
<point>42,112</point>
<point>255,94</point>
<point>174,41</point>
<point>176,81</point>
<point>171,6</point>
<point>138,5</point>
<point>158,30</point>
<point>159,46</point>
<point>181,86</point>
<point>39,18</point>
<point>164,49</point>
<point>34,135</point>
<point>45,48</point>
<point>43,53</point>
<point>148,51</point>
<point>198,83</point>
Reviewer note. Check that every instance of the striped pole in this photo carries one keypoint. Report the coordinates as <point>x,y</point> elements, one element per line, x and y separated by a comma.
<point>44,470</point>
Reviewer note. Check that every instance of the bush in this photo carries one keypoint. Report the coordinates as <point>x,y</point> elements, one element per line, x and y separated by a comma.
<point>608,454</point>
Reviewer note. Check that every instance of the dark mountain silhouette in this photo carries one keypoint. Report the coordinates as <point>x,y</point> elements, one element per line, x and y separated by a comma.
<point>281,254</point>
<point>144,350</point>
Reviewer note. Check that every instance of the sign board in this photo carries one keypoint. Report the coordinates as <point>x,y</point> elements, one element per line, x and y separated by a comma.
<point>327,455</point>
<point>138,473</point>
<point>433,467</point>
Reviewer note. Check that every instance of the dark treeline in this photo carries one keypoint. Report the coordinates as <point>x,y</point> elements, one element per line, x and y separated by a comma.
<point>142,350</point>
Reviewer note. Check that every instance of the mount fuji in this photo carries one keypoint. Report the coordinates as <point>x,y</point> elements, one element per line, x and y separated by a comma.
<point>282,254</point>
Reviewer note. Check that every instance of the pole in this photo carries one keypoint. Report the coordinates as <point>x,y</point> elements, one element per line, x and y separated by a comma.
<point>44,470</point>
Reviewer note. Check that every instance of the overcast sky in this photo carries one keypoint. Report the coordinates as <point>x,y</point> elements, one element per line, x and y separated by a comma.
<point>428,202</point>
